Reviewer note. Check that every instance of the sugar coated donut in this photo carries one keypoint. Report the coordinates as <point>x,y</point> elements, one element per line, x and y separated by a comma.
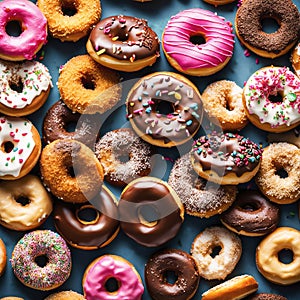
<point>71,171</point>
<point>129,282</point>
<point>24,87</point>
<point>265,296</point>
<point>233,289</point>
<point>41,260</point>
<point>87,87</point>
<point>282,188</point>
<point>248,24</point>
<point>20,147</point>
<point>24,203</point>
<point>190,57</point>
<point>123,43</point>
<point>226,158</point>
<point>120,143</point>
<point>3,257</point>
<point>200,198</point>
<point>251,214</point>
<point>164,109</point>
<point>223,102</point>
<point>268,262</point>
<point>33,25</point>
<point>65,295</point>
<point>296,59</point>
<point>260,97</point>
<point>221,265</point>
<point>184,267</point>
<point>70,20</point>
<point>153,219</point>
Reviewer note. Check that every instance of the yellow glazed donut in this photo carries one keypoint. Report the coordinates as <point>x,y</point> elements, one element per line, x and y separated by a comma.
<point>65,295</point>
<point>3,257</point>
<point>267,260</point>
<point>296,59</point>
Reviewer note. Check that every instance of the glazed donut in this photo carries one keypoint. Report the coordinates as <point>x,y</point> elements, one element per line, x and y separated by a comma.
<point>153,219</point>
<point>223,103</point>
<point>24,203</point>
<point>51,250</point>
<point>97,274</point>
<point>248,24</point>
<point>3,257</point>
<point>35,81</point>
<point>278,188</point>
<point>262,109</point>
<point>164,109</point>
<point>185,269</point>
<point>233,289</point>
<point>20,147</point>
<point>87,87</point>
<point>221,265</point>
<point>265,296</point>
<point>268,262</point>
<point>88,234</point>
<point>57,119</point>
<point>251,214</point>
<point>200,198</point>
<point>71,171</point>
<point>33,25</point>
<point>225,158</point>
<point>70,20</point>
<point>120,143</point>
<point>189,57</point>
<point>296,59</point>
<point>65,295</point>
<point>123,43</point>
<point>218,2</point>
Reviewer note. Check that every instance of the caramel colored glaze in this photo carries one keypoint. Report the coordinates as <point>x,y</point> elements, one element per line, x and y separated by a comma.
<point>252,213</point>
<point>125,38</point>
<point>184,267</point>
<point>225,153</point>
<point>84,234</point>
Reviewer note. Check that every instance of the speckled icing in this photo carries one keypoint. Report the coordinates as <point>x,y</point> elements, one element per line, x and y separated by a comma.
<point>33,75</point>
<point>194,22</point>
<point>107,267</point>
<point>18,132</point>
<point>273,81</point>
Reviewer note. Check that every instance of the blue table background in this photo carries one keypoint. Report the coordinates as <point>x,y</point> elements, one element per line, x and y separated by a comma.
<point>238,69</point>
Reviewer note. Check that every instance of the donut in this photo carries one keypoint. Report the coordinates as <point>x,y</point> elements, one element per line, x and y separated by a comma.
<point>265,296</point>
<point>198,42</point>
<point>70,21</point>
<point>123,43</point>
<point>267,259</point>
<point>87,87</point>
<point>88,234</point>
<point>71,171</point>
<point>164,109</point>
<point>233,289</point>
<point>25,87</point>
<point>3,257</point>
<point>278,177</point>
<point>154,218</point>
<point>96,285</point>
<point>65,295</point>
<point>11,298</point>
<point>251,214</point>
<point>249,30</point>
<point>20,147</point>
<point>223,103</point>
<point>41,260</point>
<point>24,203</point>
<point>271,98</point>
<point>123,144</point>
<point>59,117</point>
<point>225,158</point>
<point>200,198</point>
<point>185,269</point>
<point>33,26</point>
<point>218,2</point>
<point>295,58</point>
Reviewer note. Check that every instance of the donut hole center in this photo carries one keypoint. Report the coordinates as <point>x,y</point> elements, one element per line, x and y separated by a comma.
<point>87,215</point>
<point>16,85</point>
<point>148,215</point>
<point>14,28</point>
<point>275,98</point>
<point>41,260</point>
<point>215,251</point>
<point>71,171</point>
<point>286,256</point>
<point>123,158</point>
<point>68,9</point>
<point>7,146</point>
<point>112,284</point>
<point>164,107</point>
<point>88,83</point>
<point>249,207</point>
<point>281,172</point>
<point>197,39</point>
<point>70,126</point>
<point>269,25</point>
<point>170,277</point>
<point>22,200</point>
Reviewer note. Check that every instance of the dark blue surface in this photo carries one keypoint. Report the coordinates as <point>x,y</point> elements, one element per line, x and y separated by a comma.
<point>240,67</point>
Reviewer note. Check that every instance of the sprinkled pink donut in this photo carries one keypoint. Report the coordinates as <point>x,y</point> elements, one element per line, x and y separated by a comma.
<point>190,56</point>
<point>33,25</point>
<point>41,245</point>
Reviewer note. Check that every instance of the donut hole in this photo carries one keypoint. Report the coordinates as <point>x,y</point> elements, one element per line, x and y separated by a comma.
<point>7,146</point>
<point>87,215</point>
<point>68,8</point>
<point>197,39</point>
<point>215,251</point>
<point>112,284</point>
<point>14,28</point>
<point>286,256</point>
<point>71,171</point>
<point>88,83</point>
<point>275,98</point>
<point>22,200</point>
<point>70,126</point>
<point>269,25</point>
<point>170,277</point>
<point>250,206</point>
<point>148,215</point>
<point>164,107</point>
<point>281,172</point>
<point>16,85</point>
<point>41,260</point>
<point>124,158</point>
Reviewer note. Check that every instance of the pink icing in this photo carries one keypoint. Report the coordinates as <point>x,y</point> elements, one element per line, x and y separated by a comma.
<point>108,266</point>
<point>33,23</point>
<point>194,22</point>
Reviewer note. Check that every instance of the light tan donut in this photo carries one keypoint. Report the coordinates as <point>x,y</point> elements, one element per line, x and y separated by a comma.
<point>295,58</point>
<point>11,298</point>
<point>3,257</point>
<point>267,260</point>
<point>65,295</point>
<point>218,2</point>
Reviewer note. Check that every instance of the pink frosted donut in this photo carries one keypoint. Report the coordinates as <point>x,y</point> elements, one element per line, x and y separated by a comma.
<point>33,26</point>
<point>183,51</point>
